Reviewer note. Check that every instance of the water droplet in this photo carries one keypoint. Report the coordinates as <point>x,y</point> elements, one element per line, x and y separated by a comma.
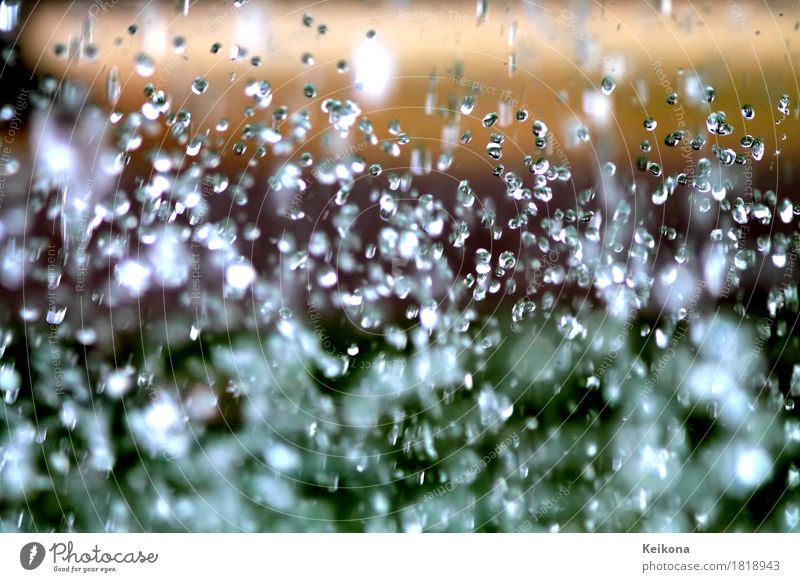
<point>467,104</point>
<point>481,10</point>
<point>113,86</point>
<point>56,315</point>
<point>388,206</point>
<point>239,276</point>
<point>758,149</point>
<point>9,15</point>
<point>507,260</point>
<point>753,467</point>
<point>428,316</point>
<point>607,85</point>
<point>9,165</point>
<point>327,277</point>
<point>494,150</point>
<point>145,66</point>
<point>783,105</point>
<point>179,44</point>
<point>199,86</point>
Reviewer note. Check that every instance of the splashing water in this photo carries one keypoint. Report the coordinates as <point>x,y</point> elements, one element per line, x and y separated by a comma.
<point>317,315</point>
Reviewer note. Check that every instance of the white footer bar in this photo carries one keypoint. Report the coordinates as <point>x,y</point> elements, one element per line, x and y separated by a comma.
<point>387,557</point>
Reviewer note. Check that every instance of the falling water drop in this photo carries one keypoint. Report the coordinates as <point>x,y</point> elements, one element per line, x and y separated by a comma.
<point>145,66</point>
<point>56,315</point>
<point>607,85</point>
<point>199,86</point>
<point>9,15</point>
<point>467,104</point>
<point>113,86</point>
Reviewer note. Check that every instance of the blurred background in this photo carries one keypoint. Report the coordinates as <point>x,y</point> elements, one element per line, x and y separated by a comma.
<point>399,266</point>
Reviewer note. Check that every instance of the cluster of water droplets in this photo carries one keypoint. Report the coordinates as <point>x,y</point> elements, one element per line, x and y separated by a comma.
<point>398,329</point>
